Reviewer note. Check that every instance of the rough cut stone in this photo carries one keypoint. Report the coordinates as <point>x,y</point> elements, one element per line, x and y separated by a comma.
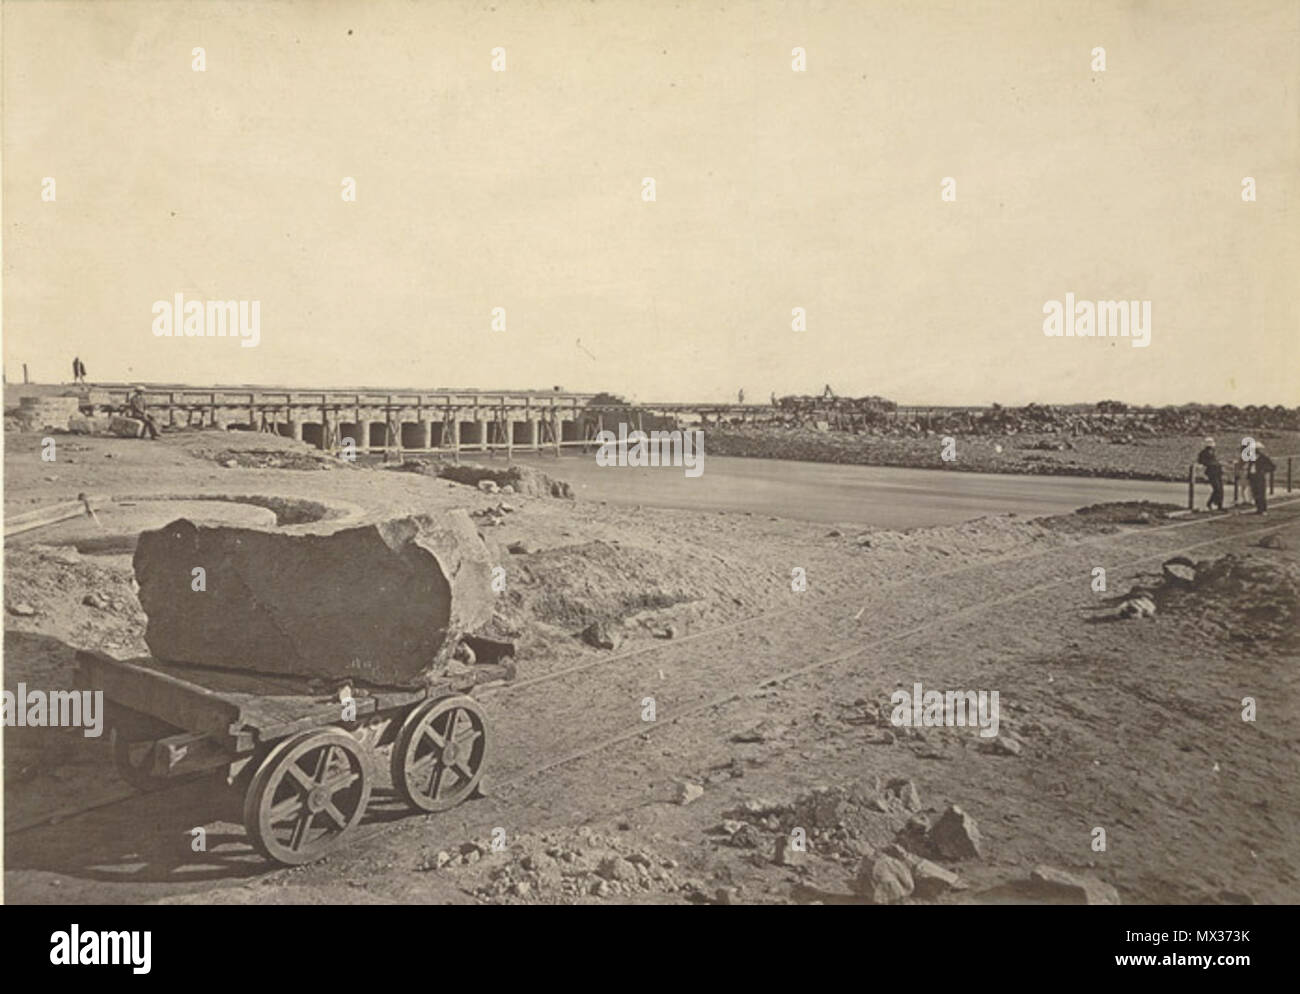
<point>932,879</point>
<point>883,879</point>
<point>956,835</point>
<point>1060,887</point>
<point>126,427</point>
<point>384,602</point>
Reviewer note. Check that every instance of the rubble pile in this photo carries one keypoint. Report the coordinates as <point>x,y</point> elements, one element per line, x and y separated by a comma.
<point>839,823</point>
<point>1252,598</point>
<point>40,413</point>
<point>561,868</point>
<point>523,480</point>
<point>1117,421</point>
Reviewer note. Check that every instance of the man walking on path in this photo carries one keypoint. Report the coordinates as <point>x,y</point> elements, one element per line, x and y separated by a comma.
<point>78,370</point>
<point>1214,473</point>
<point>1257,472</point>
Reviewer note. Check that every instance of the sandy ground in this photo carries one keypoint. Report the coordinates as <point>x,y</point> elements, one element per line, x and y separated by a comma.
<point>775,702</point>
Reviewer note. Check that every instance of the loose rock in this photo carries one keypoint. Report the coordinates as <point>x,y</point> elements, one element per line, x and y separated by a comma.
<point>1060,887</point>
<point>956,835</point>
<point>601,635</point>
<point>883,879</point>
<point>686,792</point>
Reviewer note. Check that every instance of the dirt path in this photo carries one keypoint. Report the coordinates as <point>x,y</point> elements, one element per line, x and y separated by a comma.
<point>1120,726</point>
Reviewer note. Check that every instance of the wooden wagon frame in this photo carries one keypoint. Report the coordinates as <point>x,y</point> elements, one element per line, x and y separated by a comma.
<point>304,759</point>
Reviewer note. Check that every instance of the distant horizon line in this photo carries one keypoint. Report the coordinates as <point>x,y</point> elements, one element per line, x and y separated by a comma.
<point>545,392</point>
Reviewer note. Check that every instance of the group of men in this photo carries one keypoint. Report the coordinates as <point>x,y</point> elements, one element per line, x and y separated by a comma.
<point>1258,470</point>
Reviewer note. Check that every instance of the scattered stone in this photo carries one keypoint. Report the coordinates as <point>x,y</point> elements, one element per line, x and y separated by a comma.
<point>667,632</point>
<point>1273,541</point>
<point>22,609</point>
<point>931,879</point>
<point>508,489</point>
<point>686,792</point>
<point>488,486</point>
<point>521,479</point>
<point>730,826</point>
<point>786,855</point>
<point>1137,607</point>
<point>834,533</point>
<point>601,635</point>
<point>65,554</point>
<point>442,859</point>
<point>727,895</point>
<point>230,463</point>
<point>747,837</point>
<point>520,548</point>
<point>898,852</point>
<point>1234,897</point>
<point>616,868</point>
<point>600,888</point>
<point>1179,569</point>
<point>883,879</point>
<point>1061,887</point>
<point>1005,745</point>
<point>96,599</point>
<point>905,791</point>
<point>956,835</point>
<point>918,823</point>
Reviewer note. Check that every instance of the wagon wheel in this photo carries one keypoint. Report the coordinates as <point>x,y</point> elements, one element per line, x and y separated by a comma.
<point>134,761</point>
<point>308,794</point>
<point>438,757</point>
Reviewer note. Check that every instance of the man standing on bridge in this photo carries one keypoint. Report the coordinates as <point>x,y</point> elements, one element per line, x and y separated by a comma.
<point>1214,473</point>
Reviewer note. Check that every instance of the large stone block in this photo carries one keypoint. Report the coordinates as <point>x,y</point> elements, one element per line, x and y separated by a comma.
<point>383,603</point>
<point>126,427</point>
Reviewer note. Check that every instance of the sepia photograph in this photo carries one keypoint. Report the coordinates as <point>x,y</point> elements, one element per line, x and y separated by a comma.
<point>638,452</point>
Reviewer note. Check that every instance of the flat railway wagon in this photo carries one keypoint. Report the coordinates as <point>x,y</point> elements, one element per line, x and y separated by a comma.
<point>305,760</point>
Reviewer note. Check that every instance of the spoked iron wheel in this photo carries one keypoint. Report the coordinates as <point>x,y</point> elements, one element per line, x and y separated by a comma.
<point>438,756</point>
<point>308,794</point>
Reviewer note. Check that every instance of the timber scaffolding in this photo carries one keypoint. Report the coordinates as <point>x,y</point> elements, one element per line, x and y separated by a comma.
<point>438,422</point>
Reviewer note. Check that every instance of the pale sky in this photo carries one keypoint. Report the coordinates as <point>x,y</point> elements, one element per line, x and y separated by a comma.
<point>775,189</point>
